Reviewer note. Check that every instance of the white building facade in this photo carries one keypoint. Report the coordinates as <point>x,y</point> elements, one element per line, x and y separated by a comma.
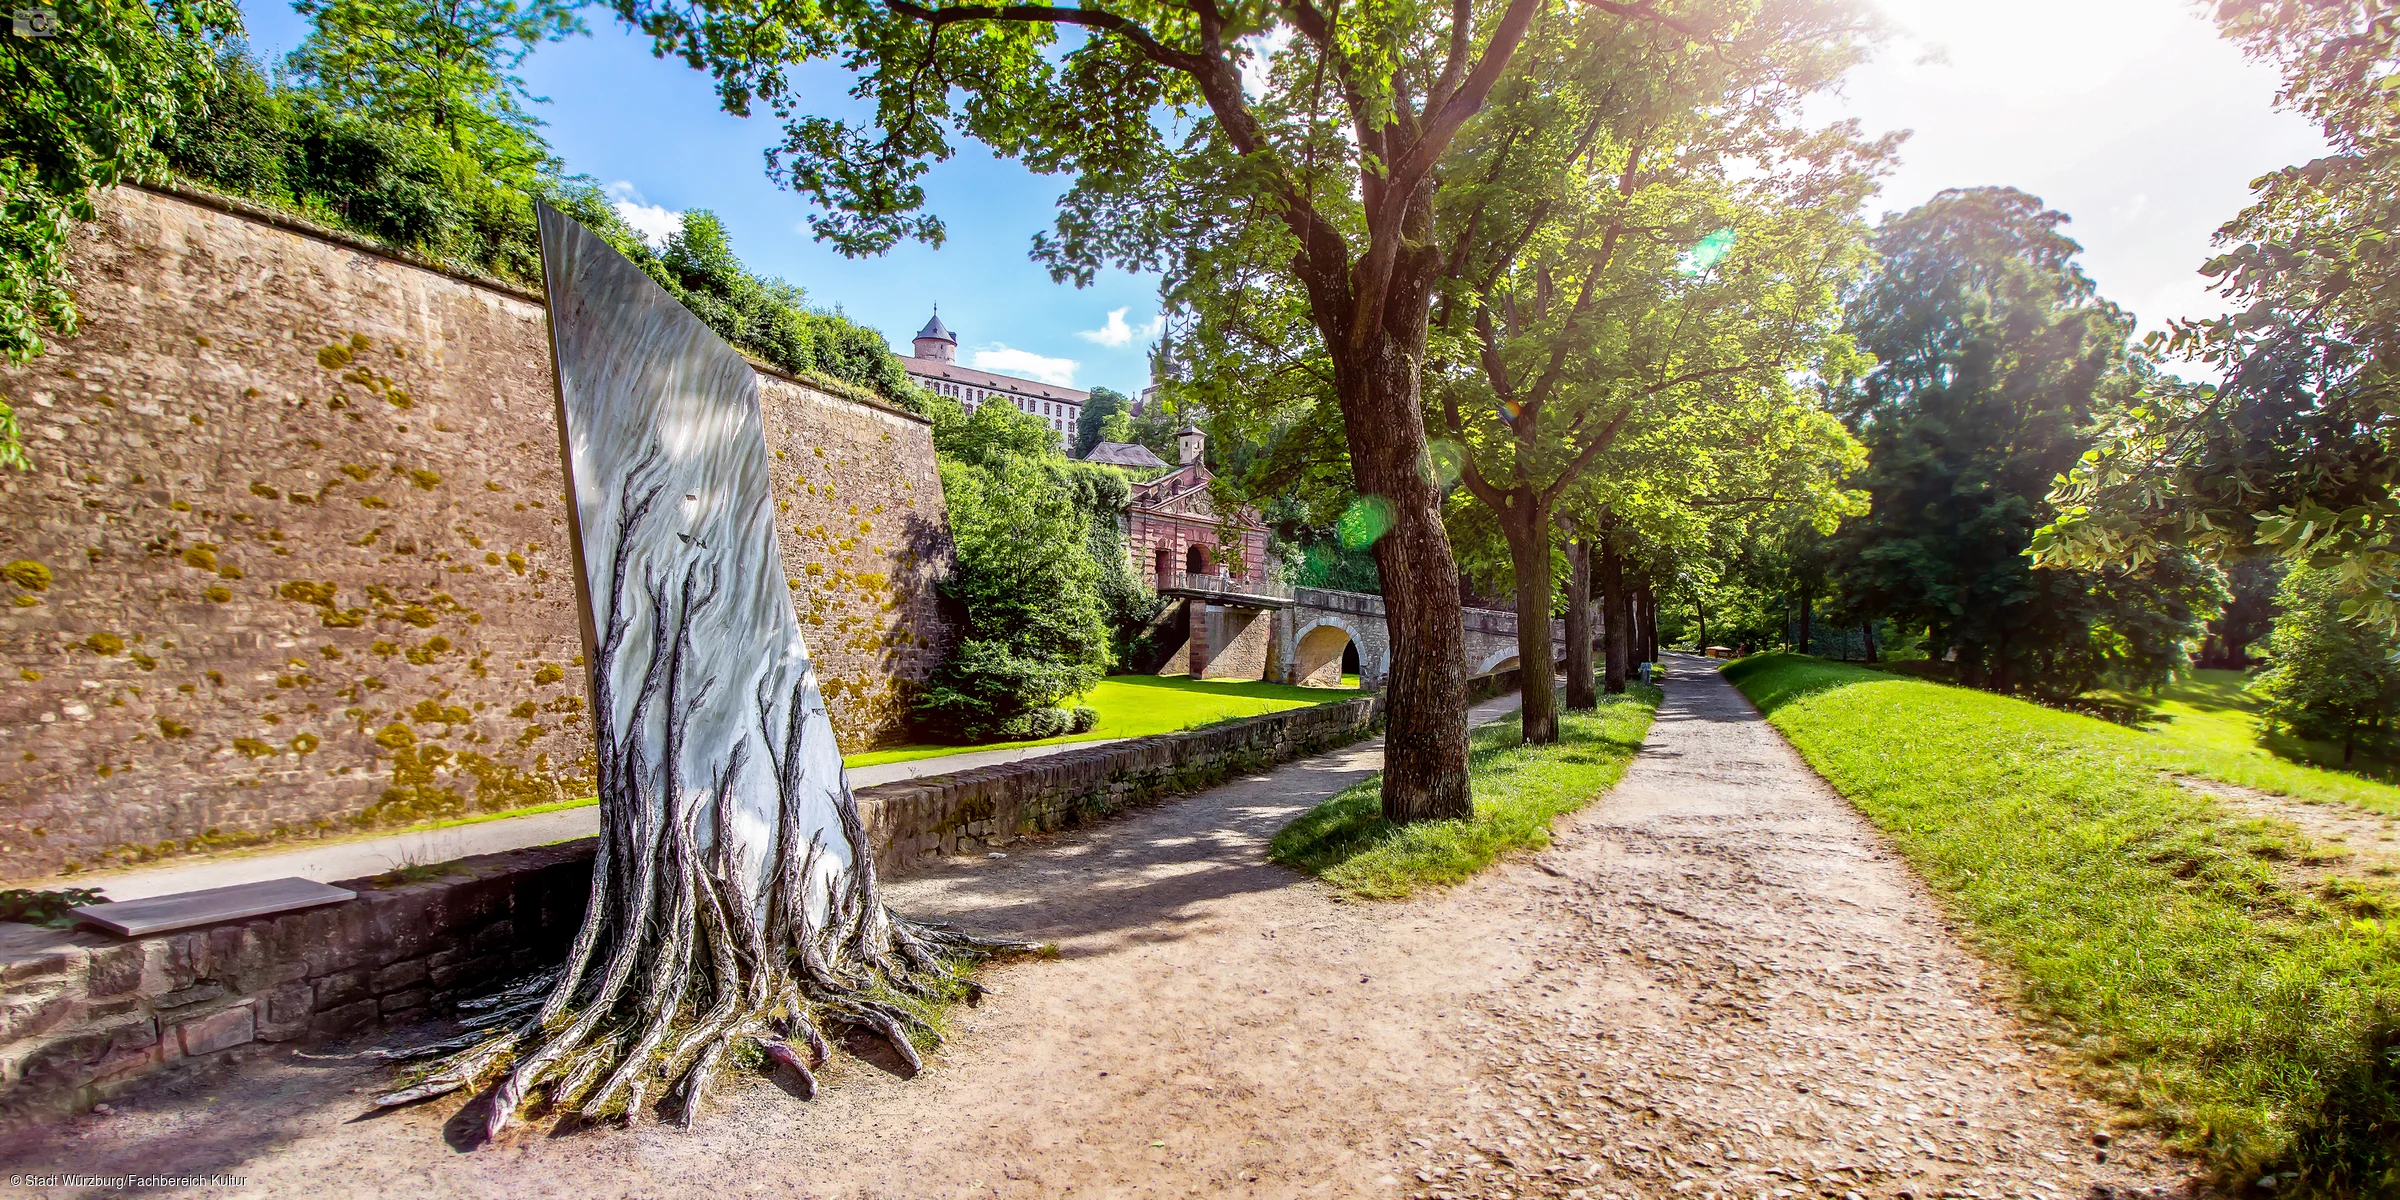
<point>934,365</point>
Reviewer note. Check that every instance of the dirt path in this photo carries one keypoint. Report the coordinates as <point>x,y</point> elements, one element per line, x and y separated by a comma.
<point>2347,841</point>
<point>1717,982</point>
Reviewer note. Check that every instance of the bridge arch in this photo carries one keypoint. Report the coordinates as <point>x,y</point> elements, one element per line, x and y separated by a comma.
<point>1497,660</point>
<point>1317,653</point>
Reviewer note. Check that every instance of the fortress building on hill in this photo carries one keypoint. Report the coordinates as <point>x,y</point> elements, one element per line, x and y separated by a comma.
<point>933,363</point>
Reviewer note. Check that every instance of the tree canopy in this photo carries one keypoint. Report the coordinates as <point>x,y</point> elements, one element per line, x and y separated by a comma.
<point>444,65</point>
<point>2294,450</point>
<point>1994,352</point>
<point>1178,122</point>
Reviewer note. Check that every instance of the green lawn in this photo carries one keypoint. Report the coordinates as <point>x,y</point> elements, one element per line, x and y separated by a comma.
<point>1141,705</point>
<point>1519,790</point>
<point>2251,1017</point>
<point>2211,713</point>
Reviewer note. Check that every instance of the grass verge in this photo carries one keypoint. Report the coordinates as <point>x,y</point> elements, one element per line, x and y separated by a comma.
<point>2213,714</point>
<point>1142,705</point>
<point>2255,1020</point>
<point>1519,790</point>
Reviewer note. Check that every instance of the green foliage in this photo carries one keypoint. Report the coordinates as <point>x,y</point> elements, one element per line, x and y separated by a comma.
<point>1666,242</point>
<point>2246,1012</point>
<point>1027,588</point>
<point>81,112</point>
<point>2295,452</point>
<point>47,909</point>
<point>1105,417</point>
<point>771,318</point>
<point>1519,791</point>
<point>2251,585</point>
<point>1995,350</point>
<point>2328,677</point>
<point>445,67</point>
<point>405,184</point>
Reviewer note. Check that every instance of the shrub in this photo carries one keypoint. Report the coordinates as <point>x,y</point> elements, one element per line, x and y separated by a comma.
<point>2328,677</point>
<point>1026,588</point>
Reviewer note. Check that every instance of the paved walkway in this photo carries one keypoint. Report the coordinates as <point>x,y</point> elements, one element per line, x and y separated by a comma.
<point>1718,981</point>
<point>327,861</point>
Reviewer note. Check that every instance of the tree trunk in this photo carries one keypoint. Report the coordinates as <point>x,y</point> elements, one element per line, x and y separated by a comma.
<point>1807,634</point>
<point>1647,629</point>
<point>1425,722</point>
<point>1583,690</point>
<point>1700,606</point>
<point>1867,631</point>
<point>1528,534</point>
<point>1615,611</point>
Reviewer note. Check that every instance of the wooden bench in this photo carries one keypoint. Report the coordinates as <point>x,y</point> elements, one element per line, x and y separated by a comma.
<point>183,910</point>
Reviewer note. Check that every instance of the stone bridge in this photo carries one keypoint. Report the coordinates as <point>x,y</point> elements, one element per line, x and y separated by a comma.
<point>1242,629</point>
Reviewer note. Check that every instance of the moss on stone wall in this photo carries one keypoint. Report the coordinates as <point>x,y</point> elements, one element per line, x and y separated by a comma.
<point>400,485</point>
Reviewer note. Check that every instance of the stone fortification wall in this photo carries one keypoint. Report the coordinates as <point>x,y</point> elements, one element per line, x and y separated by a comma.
<point>294,556</point>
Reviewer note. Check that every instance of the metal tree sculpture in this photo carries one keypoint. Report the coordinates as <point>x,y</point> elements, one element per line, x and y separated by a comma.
<point>733,892</point>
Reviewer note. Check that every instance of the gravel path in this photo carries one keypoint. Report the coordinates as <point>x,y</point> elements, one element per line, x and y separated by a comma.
<point>1717,982</point>
<point>1744,991</point>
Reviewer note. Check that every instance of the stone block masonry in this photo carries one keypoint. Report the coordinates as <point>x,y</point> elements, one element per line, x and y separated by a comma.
<point>972,811</point>
<point>294,556</point>
<point>82,1014</point>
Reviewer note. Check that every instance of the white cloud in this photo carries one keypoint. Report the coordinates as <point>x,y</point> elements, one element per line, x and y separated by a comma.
<point>1118,333</point>
<point>1115,333</point>
<point>655,222</point>
<point>1259,59</point>
<point>1026,364</point>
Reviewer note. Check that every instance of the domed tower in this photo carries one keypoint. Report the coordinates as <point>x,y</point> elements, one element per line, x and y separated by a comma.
<point>936,341</point>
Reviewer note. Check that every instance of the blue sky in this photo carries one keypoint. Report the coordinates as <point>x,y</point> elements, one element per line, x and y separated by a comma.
<point>2130,115</point>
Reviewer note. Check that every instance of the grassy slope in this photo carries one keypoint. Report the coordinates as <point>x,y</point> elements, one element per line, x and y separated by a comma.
<point>1141,705</point>
<point>2212,715</point>
<point>1519,790</point>
<point>2253,1020</point>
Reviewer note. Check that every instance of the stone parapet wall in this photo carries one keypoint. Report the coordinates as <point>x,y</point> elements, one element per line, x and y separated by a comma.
<point>83,1014</point>
<point>294,555</point>
<point>975,810</point>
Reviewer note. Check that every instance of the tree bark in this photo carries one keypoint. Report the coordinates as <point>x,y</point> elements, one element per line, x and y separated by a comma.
<point>1616,611</point>
<point>1646,600</point>
<point>1867,628</point>
<point>1583,689</point>
<point>1425,722</point>
<point>1528,532</point>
